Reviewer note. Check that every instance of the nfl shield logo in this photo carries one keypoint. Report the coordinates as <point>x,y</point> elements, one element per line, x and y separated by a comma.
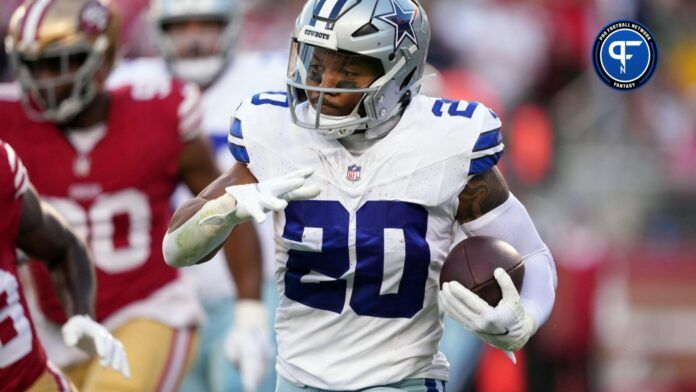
<point>353,173</point>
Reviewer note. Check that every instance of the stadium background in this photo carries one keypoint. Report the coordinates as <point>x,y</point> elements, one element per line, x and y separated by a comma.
<point>609,176</point>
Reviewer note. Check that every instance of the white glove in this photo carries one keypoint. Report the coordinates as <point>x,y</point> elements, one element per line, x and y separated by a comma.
<point>247,344</point>
<point>255,200</point>
<point>506,326</point>
<point>91,337</point>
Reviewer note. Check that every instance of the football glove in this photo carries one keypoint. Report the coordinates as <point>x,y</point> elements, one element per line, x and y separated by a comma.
<point>91,337</point>
<point>253,201</point>
<point>506,326</point>
<point>248,345</point>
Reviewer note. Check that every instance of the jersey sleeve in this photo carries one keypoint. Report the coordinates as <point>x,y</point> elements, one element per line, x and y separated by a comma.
<point>235,139</point>
<point>258,134</point>
<point>14,180</point>
<point>488,147</point>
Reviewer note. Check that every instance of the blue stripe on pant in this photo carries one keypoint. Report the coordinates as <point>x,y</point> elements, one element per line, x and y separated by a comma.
<point>411,385</point>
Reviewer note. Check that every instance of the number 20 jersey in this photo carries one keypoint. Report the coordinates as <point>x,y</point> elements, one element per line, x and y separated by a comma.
<point>358,266</point>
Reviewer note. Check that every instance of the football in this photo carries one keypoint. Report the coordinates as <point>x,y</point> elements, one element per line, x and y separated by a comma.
<point>472,262</point>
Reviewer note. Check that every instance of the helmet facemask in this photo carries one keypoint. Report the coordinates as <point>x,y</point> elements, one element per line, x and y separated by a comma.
<point>71,85</point>
<point>391,33</point>
<point>328,88</point>
<point>215,38</point>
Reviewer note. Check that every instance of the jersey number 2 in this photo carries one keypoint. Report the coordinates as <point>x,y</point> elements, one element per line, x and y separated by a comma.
<point>386,233</point>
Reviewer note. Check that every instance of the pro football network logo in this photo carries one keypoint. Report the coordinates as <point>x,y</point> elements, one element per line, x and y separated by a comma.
<point>353,173</point>
<point>625,54</point>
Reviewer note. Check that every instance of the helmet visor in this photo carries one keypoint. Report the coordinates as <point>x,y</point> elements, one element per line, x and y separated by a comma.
<point>333,82</point>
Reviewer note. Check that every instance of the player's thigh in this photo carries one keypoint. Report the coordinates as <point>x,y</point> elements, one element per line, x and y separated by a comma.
<point>158,355</point>
<point>52,380</point>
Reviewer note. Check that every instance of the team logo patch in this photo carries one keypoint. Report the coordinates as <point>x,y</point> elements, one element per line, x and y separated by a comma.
<point>353,173</point>
<point>402,20</point>
<point>625,54</point>
<point>94,18</point>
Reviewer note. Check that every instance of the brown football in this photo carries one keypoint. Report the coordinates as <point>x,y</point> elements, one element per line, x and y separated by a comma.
<point>472,262</point>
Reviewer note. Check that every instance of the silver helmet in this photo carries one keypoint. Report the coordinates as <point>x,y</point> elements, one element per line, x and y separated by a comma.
<point>391,36</point>
<point>199,70</point>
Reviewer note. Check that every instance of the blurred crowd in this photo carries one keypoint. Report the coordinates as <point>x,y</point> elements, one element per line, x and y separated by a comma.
<point>609,176</point>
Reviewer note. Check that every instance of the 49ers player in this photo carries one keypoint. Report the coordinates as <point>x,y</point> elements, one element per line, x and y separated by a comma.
<point>32,227</point>
<point>109,160</point>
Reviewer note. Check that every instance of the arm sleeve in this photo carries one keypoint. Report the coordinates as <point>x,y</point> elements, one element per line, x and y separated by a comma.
<point>511,223</point>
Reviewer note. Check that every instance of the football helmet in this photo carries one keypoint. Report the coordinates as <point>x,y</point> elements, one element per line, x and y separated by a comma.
<point>73,39</point>
<point>202,70</point>
<point>393,33</point>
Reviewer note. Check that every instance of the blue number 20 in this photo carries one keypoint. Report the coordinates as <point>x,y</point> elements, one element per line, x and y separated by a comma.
<point>333,260</point>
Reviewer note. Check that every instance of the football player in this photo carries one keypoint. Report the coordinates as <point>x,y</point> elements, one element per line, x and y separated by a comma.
<point>366,180</point>
<point>35,228</point>
<point>198,44</point>
<point>109,160</point>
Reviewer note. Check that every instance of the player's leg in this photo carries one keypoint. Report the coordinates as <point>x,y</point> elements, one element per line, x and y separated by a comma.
<point>219,373</point>
<point>463,350</point>
<point>158,355</point>
<point>211,371</point>
<point>76,373</point>
<point>52,380</point>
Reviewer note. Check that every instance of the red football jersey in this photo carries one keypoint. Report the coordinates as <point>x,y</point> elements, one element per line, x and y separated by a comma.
<point>22,359</point>
<point>116,194</point>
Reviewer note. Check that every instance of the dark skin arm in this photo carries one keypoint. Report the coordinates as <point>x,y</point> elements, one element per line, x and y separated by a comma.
<point>44,235</point>
<point>481,195</point>
<point>243,247</point>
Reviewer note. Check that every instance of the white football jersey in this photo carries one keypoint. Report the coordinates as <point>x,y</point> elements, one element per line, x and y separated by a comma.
<point>248,73</point>
<point>358,266</point>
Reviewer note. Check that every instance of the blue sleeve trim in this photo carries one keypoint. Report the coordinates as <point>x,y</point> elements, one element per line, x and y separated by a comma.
<point>480,165</point>
<point>236,129</point>
<point>488,139</point>
<point>239,153</point>
<point>281,101</point>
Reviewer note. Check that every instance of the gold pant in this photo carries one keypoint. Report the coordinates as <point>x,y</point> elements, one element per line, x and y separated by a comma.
<point>158,355</point>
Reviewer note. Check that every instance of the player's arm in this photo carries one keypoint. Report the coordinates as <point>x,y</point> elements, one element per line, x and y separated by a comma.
<point>243,248</point>
<point>44,235</point>
<point>487,208</point>
<point>200,226</point>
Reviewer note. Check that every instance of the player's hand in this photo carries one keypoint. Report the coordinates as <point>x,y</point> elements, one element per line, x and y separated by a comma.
<point>91,337</point>
<point>506,326</point>
<point>255,200</point>
<point>247,344</point>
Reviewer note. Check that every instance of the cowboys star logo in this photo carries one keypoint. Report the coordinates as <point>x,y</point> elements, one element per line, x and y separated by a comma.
<point>402,20</point>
